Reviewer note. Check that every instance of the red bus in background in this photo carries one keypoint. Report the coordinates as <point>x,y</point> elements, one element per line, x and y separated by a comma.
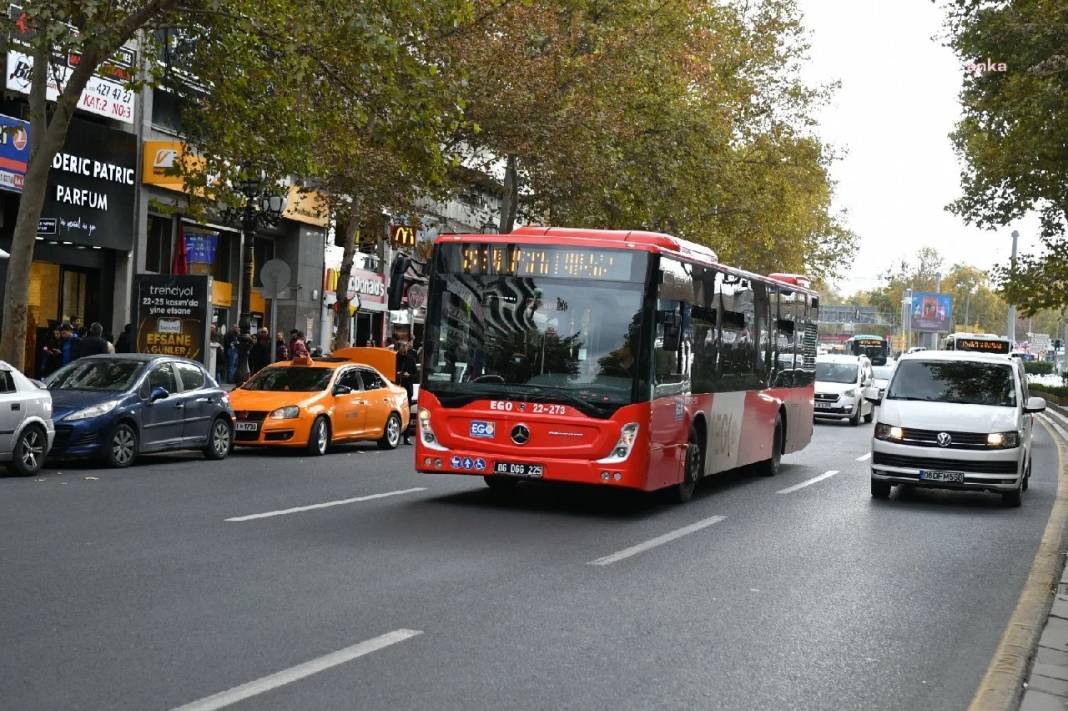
<point>629,359</point>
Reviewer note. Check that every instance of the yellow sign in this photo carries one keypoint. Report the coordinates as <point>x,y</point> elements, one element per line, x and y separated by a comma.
<point>307,206</point>
<point>222,294</point>
<point>161,160</point>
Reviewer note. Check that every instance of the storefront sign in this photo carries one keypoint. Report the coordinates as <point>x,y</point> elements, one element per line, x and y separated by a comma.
<point>173,315</point>
<point>101,96</point>
<point>416,296</point>
<point>91,187</point>
<point>200,245</point>
<point>162,159</point>
<point>14,152</point>
<point>307,206</point>
<point>368,286</point>
<point>401,236</point>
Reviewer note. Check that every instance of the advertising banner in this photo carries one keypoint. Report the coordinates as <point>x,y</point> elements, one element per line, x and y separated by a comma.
<point>932,312</point>
<point>102,96</point>
<point>14,152</point>
<point>173,314</point>
<point>91,187</point>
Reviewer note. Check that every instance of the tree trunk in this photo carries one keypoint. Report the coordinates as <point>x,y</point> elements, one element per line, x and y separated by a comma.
<point>46,138</point>
<point>344,321</point>
<point>511,196</point>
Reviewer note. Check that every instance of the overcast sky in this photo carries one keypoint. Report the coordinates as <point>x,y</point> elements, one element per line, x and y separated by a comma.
<point>892,116</point>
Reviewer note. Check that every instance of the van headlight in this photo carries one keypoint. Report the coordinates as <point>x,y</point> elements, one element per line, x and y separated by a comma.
<point>852,392</point>
<point>888,432</point>
<point>1003,440</point>
<point>627,436</point>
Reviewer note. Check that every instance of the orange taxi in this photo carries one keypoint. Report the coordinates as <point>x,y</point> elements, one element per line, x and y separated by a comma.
<point>313,403</point>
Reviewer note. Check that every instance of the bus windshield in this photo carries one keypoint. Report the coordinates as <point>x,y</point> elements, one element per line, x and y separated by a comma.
<point>569,339</point>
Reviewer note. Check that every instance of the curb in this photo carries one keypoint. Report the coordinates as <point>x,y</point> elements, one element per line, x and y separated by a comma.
<point>1034,646</point>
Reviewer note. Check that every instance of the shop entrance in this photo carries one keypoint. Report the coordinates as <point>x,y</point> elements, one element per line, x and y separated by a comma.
<point>79,292</point>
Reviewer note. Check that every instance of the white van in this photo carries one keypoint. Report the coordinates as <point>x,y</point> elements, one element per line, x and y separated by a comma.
<point>840,383</point>
<point>956,420</point>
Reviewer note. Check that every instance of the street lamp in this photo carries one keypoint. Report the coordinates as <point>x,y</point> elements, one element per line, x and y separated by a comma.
<point>260,209</point>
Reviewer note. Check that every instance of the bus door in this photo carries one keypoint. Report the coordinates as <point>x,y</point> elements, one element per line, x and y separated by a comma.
<point>668,421</point>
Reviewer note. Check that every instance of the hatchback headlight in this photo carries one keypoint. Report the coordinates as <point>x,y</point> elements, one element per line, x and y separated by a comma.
<point>286,413</point>
<point>888,432</point>
<point>94,411</point>
<point>1003,440</point>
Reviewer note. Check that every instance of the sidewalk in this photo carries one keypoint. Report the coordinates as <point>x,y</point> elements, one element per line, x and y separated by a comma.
<point>1046,688</point>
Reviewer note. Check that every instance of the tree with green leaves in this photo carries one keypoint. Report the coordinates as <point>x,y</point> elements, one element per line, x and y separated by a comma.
<point>1011,135</point>
<point>93,30</point>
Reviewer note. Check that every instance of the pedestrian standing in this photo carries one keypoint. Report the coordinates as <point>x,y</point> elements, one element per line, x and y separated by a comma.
<point>125,342</point>
<point>297,347</point>
<point>281,350</point>
<point>216,355</point>
<point>406,367</point>
<point>68,344</point>
<point>259,356</point>
<point>93,344</point>
<point>51,358</point>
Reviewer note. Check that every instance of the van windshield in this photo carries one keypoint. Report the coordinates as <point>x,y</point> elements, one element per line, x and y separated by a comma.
<point>836,372</point>
<point>955,382</point>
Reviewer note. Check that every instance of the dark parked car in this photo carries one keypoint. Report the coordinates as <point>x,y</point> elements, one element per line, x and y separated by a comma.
<point>121,405</point>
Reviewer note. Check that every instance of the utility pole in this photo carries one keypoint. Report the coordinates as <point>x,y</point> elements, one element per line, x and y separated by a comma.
<point>933,339</point>
<point>1012,309</point>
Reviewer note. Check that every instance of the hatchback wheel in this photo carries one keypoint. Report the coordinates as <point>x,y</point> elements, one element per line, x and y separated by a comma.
<point>220,440</point>
<point>29,451</point>
<point>391,435</point>
<point>319,439</point>
<point>880,489</point>
<point>122,449</point>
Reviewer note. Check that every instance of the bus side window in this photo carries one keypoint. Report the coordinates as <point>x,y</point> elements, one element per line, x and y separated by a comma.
<point>785,337</point>
<point>766,303</point>
<point>808,346</point>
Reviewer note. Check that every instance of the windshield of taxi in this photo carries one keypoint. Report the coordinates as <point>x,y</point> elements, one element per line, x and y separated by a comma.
<point>960,382</point>
<point>290,378</point>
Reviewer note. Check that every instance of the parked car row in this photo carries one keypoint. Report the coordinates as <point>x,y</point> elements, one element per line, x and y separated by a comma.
<point>116,407</point>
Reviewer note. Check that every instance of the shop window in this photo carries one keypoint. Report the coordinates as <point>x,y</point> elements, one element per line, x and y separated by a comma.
<point>158,245</point>
<point>166,110</point>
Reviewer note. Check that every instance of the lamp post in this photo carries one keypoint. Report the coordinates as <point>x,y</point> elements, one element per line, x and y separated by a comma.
<point>1012,309</point>
<point>260,209</point>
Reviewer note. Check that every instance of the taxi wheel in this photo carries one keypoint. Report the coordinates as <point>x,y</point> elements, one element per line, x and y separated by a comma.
<point>391,435</point>
<point>319,438</point>
<point>29,452</point>
<point>220,439</point>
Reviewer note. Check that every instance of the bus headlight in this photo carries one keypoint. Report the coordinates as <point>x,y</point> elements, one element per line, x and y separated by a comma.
<point>627,436</point>
<point>426,432</point>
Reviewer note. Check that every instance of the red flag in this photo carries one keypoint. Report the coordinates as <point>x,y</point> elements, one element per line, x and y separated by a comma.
<point>180,263</point>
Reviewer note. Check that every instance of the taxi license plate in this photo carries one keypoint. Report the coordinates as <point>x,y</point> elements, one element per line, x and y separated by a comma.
<point>525,469</point>
<point>953,477</point>
<point>247,426</point>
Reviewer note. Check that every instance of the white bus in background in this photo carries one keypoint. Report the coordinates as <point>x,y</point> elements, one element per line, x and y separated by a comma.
<point>977,343</point>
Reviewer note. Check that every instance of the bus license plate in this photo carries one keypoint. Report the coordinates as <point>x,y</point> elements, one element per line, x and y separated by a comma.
<point>532,471</point>
<point>952,477</point>
<point>247,426</point>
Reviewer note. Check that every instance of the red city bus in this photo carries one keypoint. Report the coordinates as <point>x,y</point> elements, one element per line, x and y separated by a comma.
<point>629,359</point>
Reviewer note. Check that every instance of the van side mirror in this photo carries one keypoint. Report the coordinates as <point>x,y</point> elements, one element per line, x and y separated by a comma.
<point>1035,404</point>
<point>871,394</point>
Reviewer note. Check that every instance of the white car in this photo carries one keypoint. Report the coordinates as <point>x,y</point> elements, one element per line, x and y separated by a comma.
<point>840,384</point>
<point>957,420</point>
<point>882,375</point>
<point>26,431</point>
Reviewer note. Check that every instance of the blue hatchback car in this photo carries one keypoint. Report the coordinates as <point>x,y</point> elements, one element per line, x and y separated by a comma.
<point>118,406</point>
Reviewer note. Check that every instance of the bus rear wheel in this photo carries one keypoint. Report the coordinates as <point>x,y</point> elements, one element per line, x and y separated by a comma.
<point>692,470</point>
<point>772,465</point>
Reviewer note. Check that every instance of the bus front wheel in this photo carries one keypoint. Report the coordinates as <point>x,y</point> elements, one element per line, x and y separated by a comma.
<point>692,472</point>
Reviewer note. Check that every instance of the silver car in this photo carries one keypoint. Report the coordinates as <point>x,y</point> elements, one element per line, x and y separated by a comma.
<point>26,431</point>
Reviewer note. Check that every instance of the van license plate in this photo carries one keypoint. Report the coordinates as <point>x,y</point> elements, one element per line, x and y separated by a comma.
<point>952,477</point>
<point>824,405</point>
<point>531,471</point>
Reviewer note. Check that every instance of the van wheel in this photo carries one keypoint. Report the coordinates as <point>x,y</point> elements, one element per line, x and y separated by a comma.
<point>771,466</point>
<point>1012,499</point>
<point>870,416</point>
<point>319,438</point>
<point>880,489</point>
<point>855,419</point>
<point>692,470</point>
<point>1027,475</point>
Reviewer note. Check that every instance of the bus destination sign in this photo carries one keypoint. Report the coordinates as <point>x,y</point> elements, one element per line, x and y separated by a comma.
<point>559,262</point>
<point>983,345</point>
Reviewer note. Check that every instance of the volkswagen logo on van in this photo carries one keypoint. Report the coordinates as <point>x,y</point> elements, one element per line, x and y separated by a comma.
<point>520,434</point>
<point>944,439</point>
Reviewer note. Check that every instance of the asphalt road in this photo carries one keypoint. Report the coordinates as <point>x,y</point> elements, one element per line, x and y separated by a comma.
<point>130,589</point>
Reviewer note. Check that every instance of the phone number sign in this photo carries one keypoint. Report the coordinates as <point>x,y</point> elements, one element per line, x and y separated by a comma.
<point>101,96</point>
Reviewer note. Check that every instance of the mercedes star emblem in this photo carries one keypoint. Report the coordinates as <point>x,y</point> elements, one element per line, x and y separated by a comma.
<point>520,434</point>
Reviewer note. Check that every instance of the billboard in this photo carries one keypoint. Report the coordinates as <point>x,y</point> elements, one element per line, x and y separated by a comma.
<point>932,312</point>
<point>173,315</point>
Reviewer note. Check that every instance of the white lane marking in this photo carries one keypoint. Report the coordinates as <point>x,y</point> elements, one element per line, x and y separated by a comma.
<point>326,504</point>
<point>864,457</point>
<point>802,485</point>
<point>658,541</point>
<point>287,676</point>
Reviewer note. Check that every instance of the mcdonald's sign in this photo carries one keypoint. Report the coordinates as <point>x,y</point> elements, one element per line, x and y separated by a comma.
<point>402,236</point>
